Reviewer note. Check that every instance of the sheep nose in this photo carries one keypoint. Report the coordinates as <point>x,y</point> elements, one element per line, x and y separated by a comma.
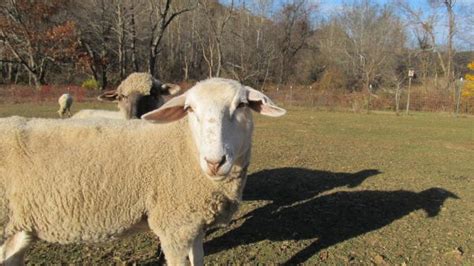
<point>214,165</point>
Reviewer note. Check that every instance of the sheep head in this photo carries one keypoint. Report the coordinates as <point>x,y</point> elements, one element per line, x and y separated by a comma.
<point>219,115</point>
<point>138,94</point>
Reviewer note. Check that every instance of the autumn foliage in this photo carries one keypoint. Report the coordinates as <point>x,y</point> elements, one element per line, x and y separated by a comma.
<point>36,35</point>
<point>468,88</point>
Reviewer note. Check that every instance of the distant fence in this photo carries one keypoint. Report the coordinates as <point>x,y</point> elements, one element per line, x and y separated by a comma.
<point>437,101</point>
<point>432,101</point>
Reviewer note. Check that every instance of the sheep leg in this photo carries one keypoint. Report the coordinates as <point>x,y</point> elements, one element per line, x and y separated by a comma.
<point>12,252</point>
<point>196,253</point>
<point>175,242</point>
<point>174,250</point>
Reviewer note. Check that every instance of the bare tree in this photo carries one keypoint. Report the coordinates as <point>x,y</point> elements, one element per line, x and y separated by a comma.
<point>211,34</point>
<point>372,34</point>
<point>425,23</point>
<point>465,24</point>
<point>249,58</point>
<point>161,15</point>
<point>296,29</point>
<point>133,42</point>
<point>121,30</point>
<point>97,36</point>
<point>449,5</point>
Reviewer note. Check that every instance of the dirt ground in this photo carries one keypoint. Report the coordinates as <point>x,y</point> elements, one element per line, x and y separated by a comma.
<point>331,188</point>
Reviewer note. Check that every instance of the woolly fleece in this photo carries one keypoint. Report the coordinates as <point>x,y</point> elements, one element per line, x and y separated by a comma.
<point>138,82</point>
<point>70,181</point>
<point>92,113</point>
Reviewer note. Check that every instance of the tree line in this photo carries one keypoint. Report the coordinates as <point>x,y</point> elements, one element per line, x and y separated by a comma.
<point>363,46</point>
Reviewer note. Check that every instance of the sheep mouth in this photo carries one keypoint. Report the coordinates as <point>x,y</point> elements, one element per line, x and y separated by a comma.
<point>217,172</point>
<point>219,176</point>
<point>216,178</point>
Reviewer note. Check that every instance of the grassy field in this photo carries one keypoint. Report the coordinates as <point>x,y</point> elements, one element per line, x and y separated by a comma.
<point>332,188</point>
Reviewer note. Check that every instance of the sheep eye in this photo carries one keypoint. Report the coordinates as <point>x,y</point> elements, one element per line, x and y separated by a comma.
<point>242,104</point>
<point>188,109</point>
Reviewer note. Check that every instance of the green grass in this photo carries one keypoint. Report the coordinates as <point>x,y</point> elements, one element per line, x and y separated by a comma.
<point>332,188</point>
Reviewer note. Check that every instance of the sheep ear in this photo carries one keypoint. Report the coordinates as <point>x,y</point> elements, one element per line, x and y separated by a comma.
<point>170,89</point>
<point>260,103</point>
<point>111,96</point>
<point>171,111</point>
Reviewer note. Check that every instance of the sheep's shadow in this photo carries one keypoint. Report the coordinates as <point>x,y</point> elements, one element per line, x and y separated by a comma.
<point>296,212</point>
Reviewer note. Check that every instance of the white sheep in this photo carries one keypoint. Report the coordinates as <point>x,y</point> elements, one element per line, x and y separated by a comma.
<point>93,113</point>
<point>176,179</point>
<point>138,94</point>
<point>65,103</point>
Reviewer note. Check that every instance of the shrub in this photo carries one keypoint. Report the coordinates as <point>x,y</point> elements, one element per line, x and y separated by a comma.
<point>90,84</point>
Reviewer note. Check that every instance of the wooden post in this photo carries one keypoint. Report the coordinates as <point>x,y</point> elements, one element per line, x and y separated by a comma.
<point>397,99</point>
<point>458,89</point>
<point>291,95</point>
<point>369,89</point>
<point>411,73</point>
<point>408,95</point>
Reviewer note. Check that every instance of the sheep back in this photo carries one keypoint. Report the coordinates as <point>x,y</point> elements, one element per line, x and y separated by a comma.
<point>65,100</point>
<point>93,113</point>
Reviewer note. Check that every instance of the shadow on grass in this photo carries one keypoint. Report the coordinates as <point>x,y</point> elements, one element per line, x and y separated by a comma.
<point>296,212</point>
